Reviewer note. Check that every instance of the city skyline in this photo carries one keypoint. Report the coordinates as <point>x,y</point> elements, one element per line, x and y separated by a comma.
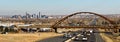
<point>58,7</point>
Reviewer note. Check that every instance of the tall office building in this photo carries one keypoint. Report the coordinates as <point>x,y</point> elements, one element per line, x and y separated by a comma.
<point>27,15</point>
<point>39,15</point>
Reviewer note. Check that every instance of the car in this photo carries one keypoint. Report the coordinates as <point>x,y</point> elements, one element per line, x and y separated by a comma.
<point>81,35</point>
<point>84,38</point>
<point>77,39</point>
<point>88,34</point>
<point>67,35</point>
<point>91,31</point>
<point>75,34</point>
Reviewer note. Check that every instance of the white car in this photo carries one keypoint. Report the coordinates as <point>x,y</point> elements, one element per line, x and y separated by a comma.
<point>84,38</point>
<point>91,31</point>
<point>88,34</point>
<point>81,35</point>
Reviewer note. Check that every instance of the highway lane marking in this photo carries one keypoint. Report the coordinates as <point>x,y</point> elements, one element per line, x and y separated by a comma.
<point>71,38</point>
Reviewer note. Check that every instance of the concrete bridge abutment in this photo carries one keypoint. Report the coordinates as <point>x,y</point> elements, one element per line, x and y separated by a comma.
<point>55,30</point>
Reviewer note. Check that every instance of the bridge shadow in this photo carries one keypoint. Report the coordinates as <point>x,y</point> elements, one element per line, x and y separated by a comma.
<point>53,39</point>
<point>110,33</point>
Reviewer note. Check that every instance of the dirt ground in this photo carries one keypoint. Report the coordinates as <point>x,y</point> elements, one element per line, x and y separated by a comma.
<point>26,37</point>
<point>115,39</point>
<point>105,37</point>
<point>110,38</point>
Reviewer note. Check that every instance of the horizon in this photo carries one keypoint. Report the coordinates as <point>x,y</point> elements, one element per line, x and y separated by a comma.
<point>58,7</point>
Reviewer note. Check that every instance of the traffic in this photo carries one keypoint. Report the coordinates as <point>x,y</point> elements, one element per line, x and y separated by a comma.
<point>85,35</point>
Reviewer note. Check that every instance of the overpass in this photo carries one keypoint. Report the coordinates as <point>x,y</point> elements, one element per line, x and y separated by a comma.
<point>97,27</point>
<point>112,26</point>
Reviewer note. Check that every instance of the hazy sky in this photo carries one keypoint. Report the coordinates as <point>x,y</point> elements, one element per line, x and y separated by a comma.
<point>51,7</point>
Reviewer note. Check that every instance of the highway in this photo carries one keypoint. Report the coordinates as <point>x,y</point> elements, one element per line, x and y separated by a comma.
<point>56,39</point>
<point>94,37</point>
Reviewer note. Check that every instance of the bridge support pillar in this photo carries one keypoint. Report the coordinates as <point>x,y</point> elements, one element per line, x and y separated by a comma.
<point>55,29</point>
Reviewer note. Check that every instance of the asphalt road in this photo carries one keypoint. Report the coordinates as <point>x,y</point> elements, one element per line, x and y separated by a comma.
<point>56,39</point>
<point>94,37</point>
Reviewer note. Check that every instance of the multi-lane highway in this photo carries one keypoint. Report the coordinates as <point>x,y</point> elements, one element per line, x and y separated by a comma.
<point>93,37</point>
<point>56,39</point>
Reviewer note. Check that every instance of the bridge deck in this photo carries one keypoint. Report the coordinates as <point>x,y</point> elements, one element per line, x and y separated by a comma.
<point>102,27</point>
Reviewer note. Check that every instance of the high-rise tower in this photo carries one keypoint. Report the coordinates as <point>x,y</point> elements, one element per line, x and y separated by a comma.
<point>27,15</point>
<point>39,15</point>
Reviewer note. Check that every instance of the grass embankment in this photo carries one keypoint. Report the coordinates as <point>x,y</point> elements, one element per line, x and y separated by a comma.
<point>26,37</point>
<point>110,38</point>
<point>105,37</point>
<point>115,39</point>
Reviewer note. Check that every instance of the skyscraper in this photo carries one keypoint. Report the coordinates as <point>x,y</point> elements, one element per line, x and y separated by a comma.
<point>39,15</point>
<point>27,15</point>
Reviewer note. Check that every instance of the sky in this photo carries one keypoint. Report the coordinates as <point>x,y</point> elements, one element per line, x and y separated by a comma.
<point>58,7</point>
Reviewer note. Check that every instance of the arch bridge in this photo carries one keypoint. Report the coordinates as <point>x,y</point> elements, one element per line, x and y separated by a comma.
<point>112,26</point>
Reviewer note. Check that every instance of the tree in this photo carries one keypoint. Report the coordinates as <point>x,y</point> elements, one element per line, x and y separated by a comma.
<point>6,29</point>
<point>1,28</point>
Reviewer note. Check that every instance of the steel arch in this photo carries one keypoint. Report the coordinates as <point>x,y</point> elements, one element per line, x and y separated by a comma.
<point>61,20</point>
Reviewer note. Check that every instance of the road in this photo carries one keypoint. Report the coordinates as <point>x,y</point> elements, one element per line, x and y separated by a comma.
<point>94,37</point>
<point>56,39</point>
